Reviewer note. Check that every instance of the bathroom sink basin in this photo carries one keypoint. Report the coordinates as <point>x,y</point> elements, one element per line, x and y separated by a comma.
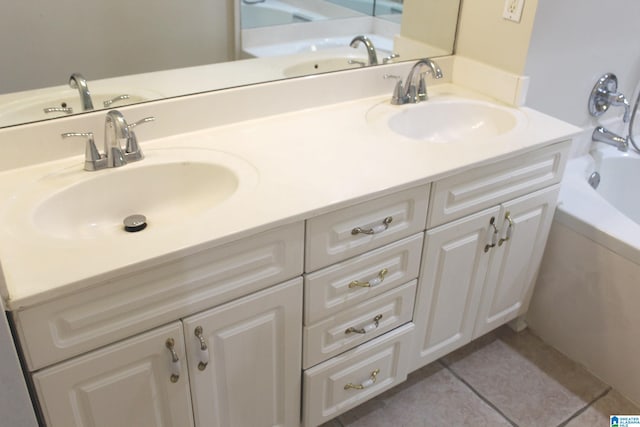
<point>323,65</point>
<point>169,187</point>
<point>451,120</point>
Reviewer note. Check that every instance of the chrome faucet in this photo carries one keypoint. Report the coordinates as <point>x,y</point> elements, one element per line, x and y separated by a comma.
<point>371,50</point>
<point>77,81</point>
<point>117,134</point>
<point>600,134</point>
<point>415,90</point>
<point>605,94</point>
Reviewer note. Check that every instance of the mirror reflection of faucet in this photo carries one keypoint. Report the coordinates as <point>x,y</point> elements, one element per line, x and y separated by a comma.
<point>120,143</point>
<point>371,50</point>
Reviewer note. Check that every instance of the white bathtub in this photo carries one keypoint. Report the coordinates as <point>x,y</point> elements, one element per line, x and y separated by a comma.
<point>274,12</point>
<point>587,299</point>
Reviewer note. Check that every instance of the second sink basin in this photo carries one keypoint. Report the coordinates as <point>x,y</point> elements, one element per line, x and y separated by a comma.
<point>170,187</point>
<point>451,120</point>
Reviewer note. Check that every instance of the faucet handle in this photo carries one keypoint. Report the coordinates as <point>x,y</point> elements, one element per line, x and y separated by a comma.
<point>132,150</point>
<point>398,93</point>
<point>108,102</point>
<point>91,154</point>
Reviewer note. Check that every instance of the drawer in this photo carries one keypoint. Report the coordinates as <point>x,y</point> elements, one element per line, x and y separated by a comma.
<point>358,324</point>
<point>482,187</point>
<point>333,289</point>
<point>351,231</point>
<point>376,366</point>
<point>155,295</point>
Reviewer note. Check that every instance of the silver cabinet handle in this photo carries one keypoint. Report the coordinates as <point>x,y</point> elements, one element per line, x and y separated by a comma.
<point>375,229</point>
<point>367,328</point>
<point>175,361</point>
<point>203,351</point>
<point>507,236</point>
<point>365,384</point>
<point>494,235</point>
<point>371,283</point>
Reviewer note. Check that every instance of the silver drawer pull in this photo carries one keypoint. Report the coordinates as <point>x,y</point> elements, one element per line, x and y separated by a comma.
<point>509,229</point>
<point>368,383</point>
<point>175,361</point>
<point>367,328</point>
<point>375,229</point>
<point>494,235</point>
<point>204,350</point>
<point>371,283</point>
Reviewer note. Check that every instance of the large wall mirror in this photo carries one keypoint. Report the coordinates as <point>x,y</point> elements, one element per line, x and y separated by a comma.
<point>127,52</point>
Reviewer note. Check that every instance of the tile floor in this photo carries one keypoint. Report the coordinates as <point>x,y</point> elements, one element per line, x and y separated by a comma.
<point>502,379</point>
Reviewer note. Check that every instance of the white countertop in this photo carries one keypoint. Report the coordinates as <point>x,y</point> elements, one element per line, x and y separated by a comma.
<point>306,163</point>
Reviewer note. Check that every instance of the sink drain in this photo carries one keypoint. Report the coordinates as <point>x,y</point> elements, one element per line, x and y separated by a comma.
<point>134,223</point>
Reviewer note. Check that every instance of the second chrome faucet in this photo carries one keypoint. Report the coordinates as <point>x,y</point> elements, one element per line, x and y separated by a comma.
<point>415,89</point>
<point>120,143</point>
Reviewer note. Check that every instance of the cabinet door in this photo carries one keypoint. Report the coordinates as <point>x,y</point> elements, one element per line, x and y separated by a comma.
<point>515,262</point>
<point>454,267</point>
<point>125,384</point>
<point>249,373</point>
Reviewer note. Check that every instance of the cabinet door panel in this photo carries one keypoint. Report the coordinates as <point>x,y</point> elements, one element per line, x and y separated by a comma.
<point>254,371</point>
<point>515,263</point>
<point>125,384</point>
<point>454,268</point>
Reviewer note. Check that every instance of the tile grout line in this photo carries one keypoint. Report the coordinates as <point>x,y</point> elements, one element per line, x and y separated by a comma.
<point>477,393</point>
<point>584,408</point>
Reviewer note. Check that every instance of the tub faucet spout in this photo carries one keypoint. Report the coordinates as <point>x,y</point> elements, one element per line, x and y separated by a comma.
<point>371,50</point>
<point>600,134</point>
<point>77,81</point>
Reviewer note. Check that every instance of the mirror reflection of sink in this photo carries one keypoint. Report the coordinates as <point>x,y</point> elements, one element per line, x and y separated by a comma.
<point>450,120</point>
<point>169,187</point>
<point>32,108</point>
<point>323,65</point>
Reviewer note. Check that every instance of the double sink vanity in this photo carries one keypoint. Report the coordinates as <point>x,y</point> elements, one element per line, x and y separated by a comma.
<point>296,262</point>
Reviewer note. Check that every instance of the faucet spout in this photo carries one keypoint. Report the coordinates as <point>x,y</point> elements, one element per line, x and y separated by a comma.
<point>77,81</point>
<point>116,132</point>
<point>600,134</point>
<point>416,87</point>
<point>371,50</point>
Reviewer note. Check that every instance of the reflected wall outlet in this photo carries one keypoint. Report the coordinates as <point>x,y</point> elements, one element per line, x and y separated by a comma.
<point>513,10</point>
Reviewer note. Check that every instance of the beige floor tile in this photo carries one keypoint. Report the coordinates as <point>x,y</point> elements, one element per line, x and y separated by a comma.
<point>431,396</point>
<point>530,382</point>
<point>597,415</point>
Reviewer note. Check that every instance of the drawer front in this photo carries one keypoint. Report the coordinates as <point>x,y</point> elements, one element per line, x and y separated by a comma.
<point>477,189</point>
<point>358,324</point>
<point>328,387</point>
<point>340,286</point>
<point>354,230</point>
<point>143,300</point>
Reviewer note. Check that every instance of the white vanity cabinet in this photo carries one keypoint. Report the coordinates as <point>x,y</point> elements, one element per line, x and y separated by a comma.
<point>478,270</point>
<point>244,371</point>
<point>124,384</point>
<point>244,360</point>
<point>358,310</point>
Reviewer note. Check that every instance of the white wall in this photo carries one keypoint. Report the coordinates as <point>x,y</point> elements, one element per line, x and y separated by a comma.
<point>43,42</point>
<point>573,43</point>
<point>485,36</point>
